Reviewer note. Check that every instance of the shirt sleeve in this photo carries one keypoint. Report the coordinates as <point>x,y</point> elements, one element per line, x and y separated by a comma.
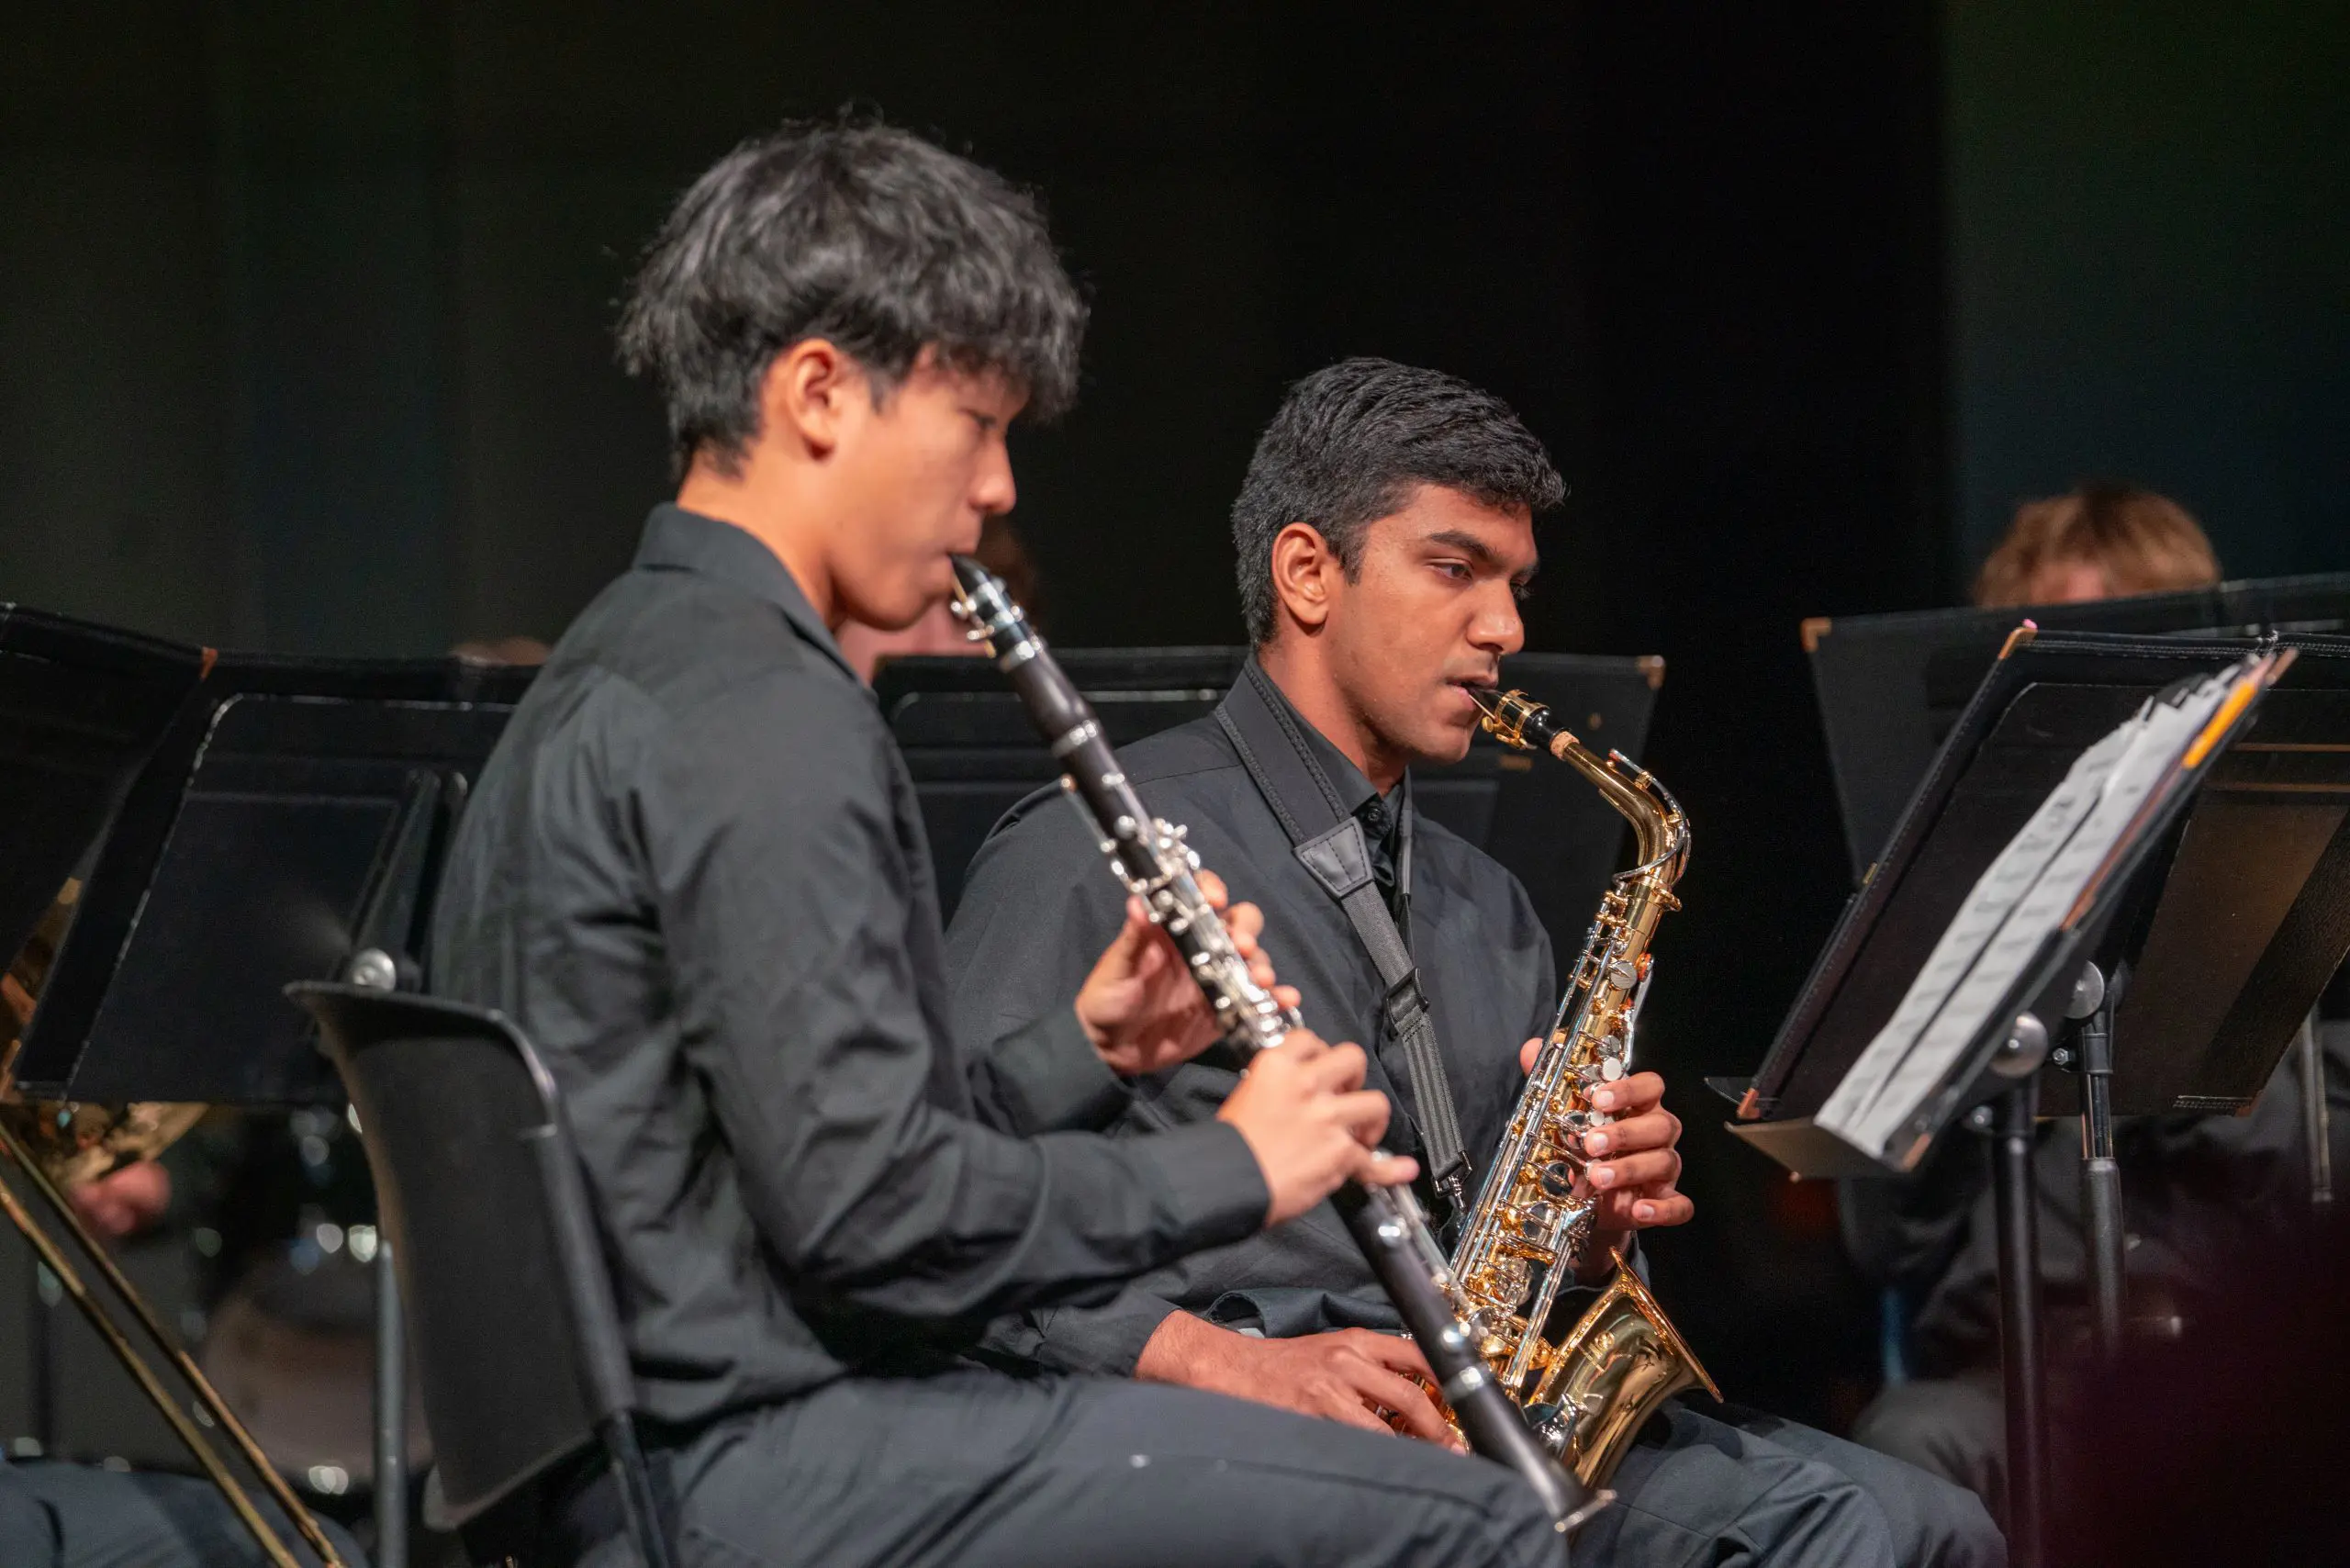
<point>1099,1341</point>
<point>1038,906</point>
<point>1543,994</point>
<point>789,892</point>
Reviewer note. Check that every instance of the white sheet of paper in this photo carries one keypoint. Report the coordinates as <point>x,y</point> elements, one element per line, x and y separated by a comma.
<point>1995,893</point>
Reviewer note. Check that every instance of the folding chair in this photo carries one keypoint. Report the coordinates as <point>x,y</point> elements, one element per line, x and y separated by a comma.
<point>509,1309</point>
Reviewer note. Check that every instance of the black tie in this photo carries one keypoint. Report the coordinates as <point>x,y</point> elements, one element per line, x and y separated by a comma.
<point>1380,830</point>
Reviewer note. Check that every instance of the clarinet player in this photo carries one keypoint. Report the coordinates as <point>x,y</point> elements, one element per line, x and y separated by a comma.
<point>694,872</point>
<point>1383,534</point>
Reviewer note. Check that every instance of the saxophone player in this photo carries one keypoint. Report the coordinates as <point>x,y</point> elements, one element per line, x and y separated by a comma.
<point>1384,532</point>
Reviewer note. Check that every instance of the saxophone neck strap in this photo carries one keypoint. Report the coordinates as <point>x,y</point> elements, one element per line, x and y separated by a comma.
<point>1328,842</point>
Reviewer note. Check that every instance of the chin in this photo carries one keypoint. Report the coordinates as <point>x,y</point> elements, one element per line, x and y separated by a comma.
<point>1445,742</point>
<point>897,610</point>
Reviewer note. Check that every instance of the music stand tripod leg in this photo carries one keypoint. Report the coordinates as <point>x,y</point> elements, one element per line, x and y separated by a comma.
<point>2102,1175</point>
<point>391,1417</point>
<point>2317,1132</point>
<point>2020,1342</point>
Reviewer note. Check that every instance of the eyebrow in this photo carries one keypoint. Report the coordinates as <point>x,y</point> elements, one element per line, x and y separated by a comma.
<point>1477,549</point>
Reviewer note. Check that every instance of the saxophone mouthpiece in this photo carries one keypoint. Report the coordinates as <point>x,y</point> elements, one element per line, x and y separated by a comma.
<point>1508,715</point>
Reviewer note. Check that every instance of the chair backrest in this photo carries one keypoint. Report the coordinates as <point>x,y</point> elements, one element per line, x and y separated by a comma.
<point>479,1192</point>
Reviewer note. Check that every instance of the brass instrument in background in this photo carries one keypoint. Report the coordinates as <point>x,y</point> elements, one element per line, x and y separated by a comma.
<point>57,1146</point>
<point>1587,1395</point>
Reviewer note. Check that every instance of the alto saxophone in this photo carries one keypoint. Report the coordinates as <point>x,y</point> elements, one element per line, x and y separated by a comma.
<point>1587,1395</point>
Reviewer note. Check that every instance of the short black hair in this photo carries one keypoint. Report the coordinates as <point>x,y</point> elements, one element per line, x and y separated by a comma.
<point>1350,442</point>
<point>859,233</point>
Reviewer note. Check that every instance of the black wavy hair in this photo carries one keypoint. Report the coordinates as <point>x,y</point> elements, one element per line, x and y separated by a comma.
<point>859,233</point>
<point>1351,442</point>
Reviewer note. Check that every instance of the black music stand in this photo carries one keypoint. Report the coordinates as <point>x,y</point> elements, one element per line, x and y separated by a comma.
<point>973,753</point>
<point>80,706</point>
<point>289,826</point>
<point>1890,686</point>
<point>2230,913</point>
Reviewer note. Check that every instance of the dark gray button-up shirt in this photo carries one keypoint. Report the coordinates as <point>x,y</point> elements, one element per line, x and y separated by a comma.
<point>694,872</point>
<point>1039,894</point>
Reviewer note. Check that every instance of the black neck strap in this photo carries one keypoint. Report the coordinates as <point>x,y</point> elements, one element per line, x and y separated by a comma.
<point>1328,842</point>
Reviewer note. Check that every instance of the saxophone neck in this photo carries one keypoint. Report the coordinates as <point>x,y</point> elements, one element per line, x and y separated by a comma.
<point>1663,832</point>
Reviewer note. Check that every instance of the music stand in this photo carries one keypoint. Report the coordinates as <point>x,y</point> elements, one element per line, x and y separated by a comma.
<point>81,705</point>
<point>286,827</point>
<point>973,753</point>
<point>1891,686</point>
<point>2231,913</point>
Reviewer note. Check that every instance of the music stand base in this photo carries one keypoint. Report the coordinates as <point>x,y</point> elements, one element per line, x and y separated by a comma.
<point>391,1418</point>
<point>2101,1228</point>
<point>2021,1362</point>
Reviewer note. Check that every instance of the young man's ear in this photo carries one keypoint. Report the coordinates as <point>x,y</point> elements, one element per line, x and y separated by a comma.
<point>1306,573</point>
<point>809,394</point>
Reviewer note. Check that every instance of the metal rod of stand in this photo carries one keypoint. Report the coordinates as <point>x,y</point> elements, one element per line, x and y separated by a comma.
<point>40,1353</point>
<point>2317,1117</point>
<point>2101,1180</point>
<point>391,1418</point>
<point>2020,1347</point>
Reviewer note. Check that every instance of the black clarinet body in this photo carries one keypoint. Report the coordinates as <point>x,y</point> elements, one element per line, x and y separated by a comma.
<point>1155,863</point>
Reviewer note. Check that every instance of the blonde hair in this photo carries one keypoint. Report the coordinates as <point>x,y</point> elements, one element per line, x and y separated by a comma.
<point>2141,541</point>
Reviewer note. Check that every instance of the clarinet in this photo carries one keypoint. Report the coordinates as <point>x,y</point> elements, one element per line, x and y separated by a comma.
<point>1151,858</point>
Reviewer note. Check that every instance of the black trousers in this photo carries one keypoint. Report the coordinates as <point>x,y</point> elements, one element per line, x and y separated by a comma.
<point>978,1470</point>
<point>975,1469</point>
<point>1955,1427</point>
<point>75,1516</point>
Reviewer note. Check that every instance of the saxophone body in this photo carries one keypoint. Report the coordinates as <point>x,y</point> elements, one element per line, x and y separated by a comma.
<point>1588,1394</point>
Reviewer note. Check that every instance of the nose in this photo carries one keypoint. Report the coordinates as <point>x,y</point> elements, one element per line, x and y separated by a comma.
<point>1495,628</point>
<point>992,490</point>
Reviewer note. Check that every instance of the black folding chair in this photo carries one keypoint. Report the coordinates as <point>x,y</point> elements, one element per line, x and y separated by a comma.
<point>509,1310</point>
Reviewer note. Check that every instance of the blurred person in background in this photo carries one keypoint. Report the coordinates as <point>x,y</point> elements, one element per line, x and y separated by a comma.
<point>56,1514</point>
<point>2101,541</point>
<point>2225,1445</point>
<point>512,650</point>
<point>2193,1186</point>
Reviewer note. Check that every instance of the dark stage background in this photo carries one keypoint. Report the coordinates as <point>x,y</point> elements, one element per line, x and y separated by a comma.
<point>304,345</point>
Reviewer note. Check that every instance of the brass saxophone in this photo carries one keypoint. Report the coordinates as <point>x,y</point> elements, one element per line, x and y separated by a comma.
<point>1587,1395</point>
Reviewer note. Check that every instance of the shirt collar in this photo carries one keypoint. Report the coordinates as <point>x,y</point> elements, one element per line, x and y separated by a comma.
<point>677,540</point>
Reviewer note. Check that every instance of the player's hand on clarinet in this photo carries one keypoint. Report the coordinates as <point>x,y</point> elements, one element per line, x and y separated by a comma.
<point>1311,1124</point>
<point>1140,1006</point>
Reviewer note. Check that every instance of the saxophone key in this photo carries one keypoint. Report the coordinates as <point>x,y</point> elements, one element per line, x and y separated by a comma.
<point>1508,1281</point>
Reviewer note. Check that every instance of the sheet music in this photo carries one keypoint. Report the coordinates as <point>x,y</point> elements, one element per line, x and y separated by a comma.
<point>1995,894</point>
<point>2023,897</point>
